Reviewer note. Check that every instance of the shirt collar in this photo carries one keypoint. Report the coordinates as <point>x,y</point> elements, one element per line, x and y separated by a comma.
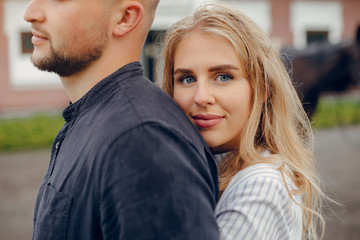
<point>101,89</point>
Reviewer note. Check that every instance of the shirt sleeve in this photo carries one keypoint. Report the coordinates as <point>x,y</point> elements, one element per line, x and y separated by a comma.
<point>156,185</point>
<point>255,208</point>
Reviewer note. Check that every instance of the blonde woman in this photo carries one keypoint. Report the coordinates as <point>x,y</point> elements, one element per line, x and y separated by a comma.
<point>222,70</point>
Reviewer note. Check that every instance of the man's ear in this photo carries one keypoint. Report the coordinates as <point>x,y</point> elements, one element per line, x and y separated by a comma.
<point>132,15</point>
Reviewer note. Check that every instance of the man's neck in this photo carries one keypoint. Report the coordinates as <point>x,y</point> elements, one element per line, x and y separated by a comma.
<point>79,84</point>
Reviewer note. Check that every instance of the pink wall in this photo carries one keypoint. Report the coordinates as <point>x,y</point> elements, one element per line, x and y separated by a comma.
<point>351,17</point>
<point>3,59</point>
<point>280,11</point>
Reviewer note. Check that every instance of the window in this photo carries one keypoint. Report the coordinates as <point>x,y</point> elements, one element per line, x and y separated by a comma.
<point>316,36</point>
<point>26,44</point>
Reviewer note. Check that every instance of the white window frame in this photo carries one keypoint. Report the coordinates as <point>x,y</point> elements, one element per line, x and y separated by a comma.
<point>316,16</point>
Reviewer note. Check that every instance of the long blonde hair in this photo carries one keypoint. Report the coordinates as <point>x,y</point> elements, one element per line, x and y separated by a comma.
<point>277,120</point>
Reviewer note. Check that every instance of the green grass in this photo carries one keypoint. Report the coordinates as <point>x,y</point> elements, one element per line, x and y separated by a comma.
<point>336,111</point>
<point>39,131</point>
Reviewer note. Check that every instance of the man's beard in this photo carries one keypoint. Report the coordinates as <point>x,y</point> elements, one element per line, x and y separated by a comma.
<point>66,66</point>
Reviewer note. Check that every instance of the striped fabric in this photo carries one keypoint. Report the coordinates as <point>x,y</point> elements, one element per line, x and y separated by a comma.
<point>256,205</point>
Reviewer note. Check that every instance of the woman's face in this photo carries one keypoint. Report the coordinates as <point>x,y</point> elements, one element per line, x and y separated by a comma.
<point>209,85</point>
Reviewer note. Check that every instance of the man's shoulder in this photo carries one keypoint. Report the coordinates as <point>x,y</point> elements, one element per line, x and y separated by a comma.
<point>147,103</point>
<point>148,98</point>
<point>135,103</point>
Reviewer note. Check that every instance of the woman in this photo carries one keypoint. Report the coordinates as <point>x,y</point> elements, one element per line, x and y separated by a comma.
<point>222,70</point>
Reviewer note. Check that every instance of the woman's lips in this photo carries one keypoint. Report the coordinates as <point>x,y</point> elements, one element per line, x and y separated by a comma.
<point>206,120</point>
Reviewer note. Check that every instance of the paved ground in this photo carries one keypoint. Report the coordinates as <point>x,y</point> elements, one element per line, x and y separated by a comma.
<point>338,152</point>
<point>20,177</point>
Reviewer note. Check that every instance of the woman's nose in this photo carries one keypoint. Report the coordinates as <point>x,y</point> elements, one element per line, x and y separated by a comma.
<point>204,95</point>
<point>34,12</point>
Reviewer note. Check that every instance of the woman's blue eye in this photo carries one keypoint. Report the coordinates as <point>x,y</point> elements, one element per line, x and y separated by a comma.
<point>187,80</point>
<point>224,78</point>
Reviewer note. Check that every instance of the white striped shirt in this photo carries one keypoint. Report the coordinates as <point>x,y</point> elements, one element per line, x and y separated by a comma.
<point>256,205</point>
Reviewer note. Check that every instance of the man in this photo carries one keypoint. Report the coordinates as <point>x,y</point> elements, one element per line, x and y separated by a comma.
<point>127,164</point>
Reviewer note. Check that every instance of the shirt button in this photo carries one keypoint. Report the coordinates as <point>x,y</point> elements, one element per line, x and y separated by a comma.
<point>57,145</point>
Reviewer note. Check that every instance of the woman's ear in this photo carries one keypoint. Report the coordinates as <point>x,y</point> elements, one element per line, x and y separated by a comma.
<point>131,17</point>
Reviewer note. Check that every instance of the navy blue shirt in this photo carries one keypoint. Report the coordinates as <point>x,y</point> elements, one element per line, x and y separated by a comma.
<point>128,164</point>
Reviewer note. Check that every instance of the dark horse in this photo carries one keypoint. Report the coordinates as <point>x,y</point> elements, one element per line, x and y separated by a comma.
<point>323,67</point>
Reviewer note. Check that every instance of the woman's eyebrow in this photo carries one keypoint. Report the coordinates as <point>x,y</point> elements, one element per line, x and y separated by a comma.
<point>211,69</point>
<point>182,71</point>
<point>223,67</point>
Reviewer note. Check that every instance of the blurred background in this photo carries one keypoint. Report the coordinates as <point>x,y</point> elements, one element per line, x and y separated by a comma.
<point>318,41</point>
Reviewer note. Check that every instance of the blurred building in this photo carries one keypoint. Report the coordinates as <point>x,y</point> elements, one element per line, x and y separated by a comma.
<point>288,22</point>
